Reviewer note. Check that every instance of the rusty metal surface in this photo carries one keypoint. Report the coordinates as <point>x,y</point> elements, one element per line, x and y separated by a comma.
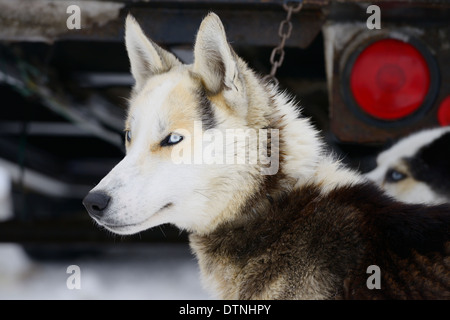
<point>250,22</point>
<point>168,22</point>
<point>174,26</point>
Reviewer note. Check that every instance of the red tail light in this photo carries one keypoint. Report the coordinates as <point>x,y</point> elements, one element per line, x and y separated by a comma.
<point>390,79</point>
<point>444,112</point>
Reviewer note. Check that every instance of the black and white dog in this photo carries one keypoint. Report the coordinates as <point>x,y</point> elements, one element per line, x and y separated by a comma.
<point>417,168</point>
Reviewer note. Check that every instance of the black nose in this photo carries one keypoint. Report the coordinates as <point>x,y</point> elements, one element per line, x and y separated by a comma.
<point>96,203</point>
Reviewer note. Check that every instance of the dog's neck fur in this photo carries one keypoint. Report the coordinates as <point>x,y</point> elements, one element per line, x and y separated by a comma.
<point>302,156</point>
<point>303,162</point>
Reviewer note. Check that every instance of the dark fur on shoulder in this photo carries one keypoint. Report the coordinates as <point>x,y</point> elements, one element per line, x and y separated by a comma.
<point>330,241</point>
<point>409,243</point>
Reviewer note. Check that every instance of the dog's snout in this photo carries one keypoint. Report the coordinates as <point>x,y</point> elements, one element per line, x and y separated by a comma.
<point>96,203</point>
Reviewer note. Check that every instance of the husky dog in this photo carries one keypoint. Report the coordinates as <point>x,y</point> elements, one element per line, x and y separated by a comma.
<point>416,169</point>
<point>312,229</point>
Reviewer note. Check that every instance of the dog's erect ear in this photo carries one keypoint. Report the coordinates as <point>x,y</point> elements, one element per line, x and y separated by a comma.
<point>214,60</point>
<point>146,57</point>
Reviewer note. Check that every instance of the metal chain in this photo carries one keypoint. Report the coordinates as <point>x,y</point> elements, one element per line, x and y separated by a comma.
<point>284,31</point>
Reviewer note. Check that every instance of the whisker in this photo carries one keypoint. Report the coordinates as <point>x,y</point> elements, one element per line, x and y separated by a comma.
<point>160,228</point>
<point>196,191</point>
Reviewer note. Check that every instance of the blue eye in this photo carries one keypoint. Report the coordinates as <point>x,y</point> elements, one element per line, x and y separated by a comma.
<point>175,138</point>
<point>171,139</point>
<point>128,135</point>
<point>393,175</point>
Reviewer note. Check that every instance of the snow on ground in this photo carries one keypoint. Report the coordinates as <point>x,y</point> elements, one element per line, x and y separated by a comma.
<point>154,271</point>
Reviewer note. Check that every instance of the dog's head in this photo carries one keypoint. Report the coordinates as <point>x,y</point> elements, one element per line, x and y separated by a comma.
<point>417,168</point>
<point>168,175</point>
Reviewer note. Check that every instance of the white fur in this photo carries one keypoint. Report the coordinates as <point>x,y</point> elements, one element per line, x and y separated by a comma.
<point>419,192</point>
<point>141,184</point>
<point>306,159</point>
<point>146,57</point>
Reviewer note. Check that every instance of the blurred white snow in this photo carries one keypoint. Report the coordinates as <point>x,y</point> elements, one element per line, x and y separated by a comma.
<point>153,271</point>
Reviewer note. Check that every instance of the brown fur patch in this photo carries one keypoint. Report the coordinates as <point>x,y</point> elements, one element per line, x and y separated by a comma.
<point>311,245</point>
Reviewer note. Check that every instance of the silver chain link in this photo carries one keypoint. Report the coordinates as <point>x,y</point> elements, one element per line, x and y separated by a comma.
<point>284,31</point>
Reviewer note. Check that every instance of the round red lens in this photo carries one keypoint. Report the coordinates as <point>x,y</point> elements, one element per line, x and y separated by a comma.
<point>390,79</point>
<point>444,112</point>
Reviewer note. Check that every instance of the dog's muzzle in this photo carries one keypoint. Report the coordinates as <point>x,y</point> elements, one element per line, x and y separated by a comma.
<point>96,204</point>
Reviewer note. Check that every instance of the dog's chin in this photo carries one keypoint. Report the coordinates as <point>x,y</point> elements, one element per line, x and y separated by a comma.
<point>125,229</point>
<point>128,228</point>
